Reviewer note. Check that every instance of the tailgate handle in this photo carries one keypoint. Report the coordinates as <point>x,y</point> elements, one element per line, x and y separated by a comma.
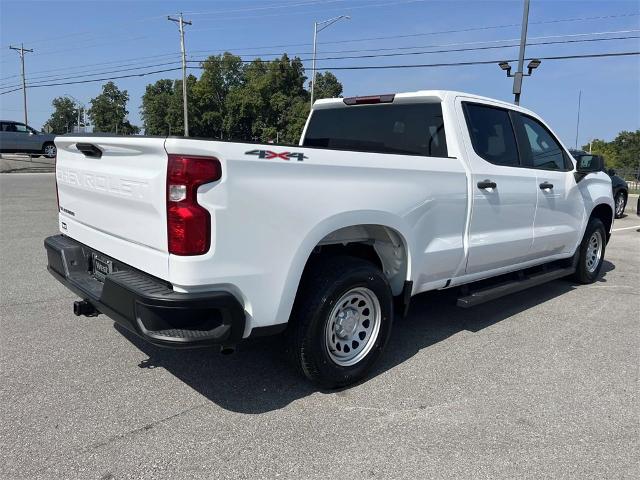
<point>89,150</point>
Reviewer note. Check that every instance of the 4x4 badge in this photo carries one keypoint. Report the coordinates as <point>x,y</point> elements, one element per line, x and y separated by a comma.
<point>268,154</point>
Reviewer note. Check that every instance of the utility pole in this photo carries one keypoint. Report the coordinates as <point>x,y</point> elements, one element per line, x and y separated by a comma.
<point>181,23</point>
<point>21,51</point>
<point>578,122</point>
<point>517,78</point>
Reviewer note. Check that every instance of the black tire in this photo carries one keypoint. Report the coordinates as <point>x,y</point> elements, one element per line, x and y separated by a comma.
<point>324,283</point>
<point>586,272</point>
<point>620,203</point>
<point>49,150</point>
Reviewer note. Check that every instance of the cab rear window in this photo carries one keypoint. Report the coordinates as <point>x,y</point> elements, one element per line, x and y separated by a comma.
<point>407,129</point>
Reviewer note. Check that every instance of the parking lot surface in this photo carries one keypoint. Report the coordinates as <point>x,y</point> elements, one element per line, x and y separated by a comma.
<point>543,383</point>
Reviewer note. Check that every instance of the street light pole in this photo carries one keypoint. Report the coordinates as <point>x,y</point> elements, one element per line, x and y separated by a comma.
<point>181,23</point>
<point>517,78</point>
<point>78,105</point>
<point>21,51</point>
<point>313,64</point>
<point>317,28</point>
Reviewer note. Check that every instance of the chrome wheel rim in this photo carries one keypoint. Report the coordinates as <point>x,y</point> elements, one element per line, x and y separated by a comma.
<point>353,326</point>
<point>594,251</point>
<point>619,205</point>
<point>50,151</point>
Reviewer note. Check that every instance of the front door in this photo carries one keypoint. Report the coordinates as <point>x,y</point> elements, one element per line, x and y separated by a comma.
<point>559,214</point>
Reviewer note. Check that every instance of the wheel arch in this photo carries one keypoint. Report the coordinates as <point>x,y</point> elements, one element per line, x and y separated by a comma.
<point>362,234</point>
<point>605,214</point>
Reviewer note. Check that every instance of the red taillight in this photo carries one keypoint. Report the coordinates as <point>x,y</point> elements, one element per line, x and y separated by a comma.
<point>189,224</point>
<point>369,100</point>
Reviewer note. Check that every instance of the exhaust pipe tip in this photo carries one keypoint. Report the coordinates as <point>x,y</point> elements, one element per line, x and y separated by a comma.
<point>83,307</point>
<point>227,349</point>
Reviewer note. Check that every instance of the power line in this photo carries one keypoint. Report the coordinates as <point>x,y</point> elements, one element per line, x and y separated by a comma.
<point>480,46</point>
<point>480,62</point>
<point>267,7</point>
<point>115,63</point>
<point>99,79</point>
<point>364,67</point>
<point>489,27</point>
<point>349,57</point>
<point>34,80</point>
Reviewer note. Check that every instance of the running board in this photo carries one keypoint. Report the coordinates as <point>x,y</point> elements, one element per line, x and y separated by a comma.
<point>517,285</point>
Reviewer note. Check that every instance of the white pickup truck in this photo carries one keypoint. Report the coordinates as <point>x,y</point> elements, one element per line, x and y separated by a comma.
<point>194,242</point>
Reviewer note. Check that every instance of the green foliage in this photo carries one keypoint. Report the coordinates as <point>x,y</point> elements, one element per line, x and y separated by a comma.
<point>64,116</point>
<point>327,86</point>
<point>108,111</point>
<point>263,100</point>
<point>621,153</point>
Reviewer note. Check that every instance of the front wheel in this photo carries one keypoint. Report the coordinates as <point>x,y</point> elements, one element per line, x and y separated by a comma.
<point>341,321</point>
<point>621,202</point>
<point>591,252</point>
<point>49,150</point>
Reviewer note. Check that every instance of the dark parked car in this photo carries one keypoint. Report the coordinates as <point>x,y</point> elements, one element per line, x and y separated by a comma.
<point>16,137</point>
<point>619,186</point>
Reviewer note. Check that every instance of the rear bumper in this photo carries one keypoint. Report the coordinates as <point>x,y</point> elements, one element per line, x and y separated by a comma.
<point>144,304</point>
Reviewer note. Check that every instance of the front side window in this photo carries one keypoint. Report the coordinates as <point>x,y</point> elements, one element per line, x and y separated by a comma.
<point>492,134</point>
<point>408,129</point>
<point>546,152</point>
<point>21,128</point>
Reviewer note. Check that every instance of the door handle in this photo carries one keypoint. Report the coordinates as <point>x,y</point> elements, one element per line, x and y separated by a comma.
<point>546,185</point>
<point>487,184</point>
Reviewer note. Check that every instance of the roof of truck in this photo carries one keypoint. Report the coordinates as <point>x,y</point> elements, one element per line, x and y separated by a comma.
<point>441,95</point>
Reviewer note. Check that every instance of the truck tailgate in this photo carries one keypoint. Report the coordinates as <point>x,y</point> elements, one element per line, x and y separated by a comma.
<point>119,191</point>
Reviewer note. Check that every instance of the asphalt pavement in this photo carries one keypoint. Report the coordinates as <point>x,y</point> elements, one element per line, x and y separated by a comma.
<point>541,384</point>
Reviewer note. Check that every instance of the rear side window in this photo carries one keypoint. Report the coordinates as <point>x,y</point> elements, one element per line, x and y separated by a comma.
<point>410,129</point>
<point>492,134</point>
<point>545,151</point>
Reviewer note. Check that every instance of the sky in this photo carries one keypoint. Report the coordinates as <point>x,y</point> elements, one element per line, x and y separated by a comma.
<point>74,38</point>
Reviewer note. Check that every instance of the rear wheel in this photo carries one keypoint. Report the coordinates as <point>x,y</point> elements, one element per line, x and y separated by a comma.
<point>621,202</point>
<point>591,252</point>
<point>341,321</point>
<point>49,150</point>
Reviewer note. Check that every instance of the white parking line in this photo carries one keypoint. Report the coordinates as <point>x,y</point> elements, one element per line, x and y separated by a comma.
<point>625,228</point>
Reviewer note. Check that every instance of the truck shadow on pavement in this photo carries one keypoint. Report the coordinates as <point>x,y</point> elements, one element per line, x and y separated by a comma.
<point>258,379</point>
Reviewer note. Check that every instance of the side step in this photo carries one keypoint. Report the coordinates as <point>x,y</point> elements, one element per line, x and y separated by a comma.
<point>521,283</point>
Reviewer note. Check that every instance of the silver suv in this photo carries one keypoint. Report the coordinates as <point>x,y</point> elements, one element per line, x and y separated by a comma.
<point>16,137</point>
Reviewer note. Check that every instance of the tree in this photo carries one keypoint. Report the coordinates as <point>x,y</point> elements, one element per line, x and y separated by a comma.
<point>262,100</point>
<point>108,111</point>
<point>64,116</point>
<point>623,152</point>
<point>220,75</point>
<point>156,102</point>
<point>327,86</point>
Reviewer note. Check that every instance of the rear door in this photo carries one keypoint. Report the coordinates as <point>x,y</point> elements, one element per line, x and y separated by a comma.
<point>114,194</point>
<point>504,194</point>
<point>560,211</point>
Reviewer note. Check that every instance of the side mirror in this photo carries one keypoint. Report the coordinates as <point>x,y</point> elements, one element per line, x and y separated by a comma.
<point>590,164</point>
<point>611,172</point>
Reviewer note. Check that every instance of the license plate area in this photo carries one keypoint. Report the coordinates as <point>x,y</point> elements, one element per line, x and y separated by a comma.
<point>101,267</point>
